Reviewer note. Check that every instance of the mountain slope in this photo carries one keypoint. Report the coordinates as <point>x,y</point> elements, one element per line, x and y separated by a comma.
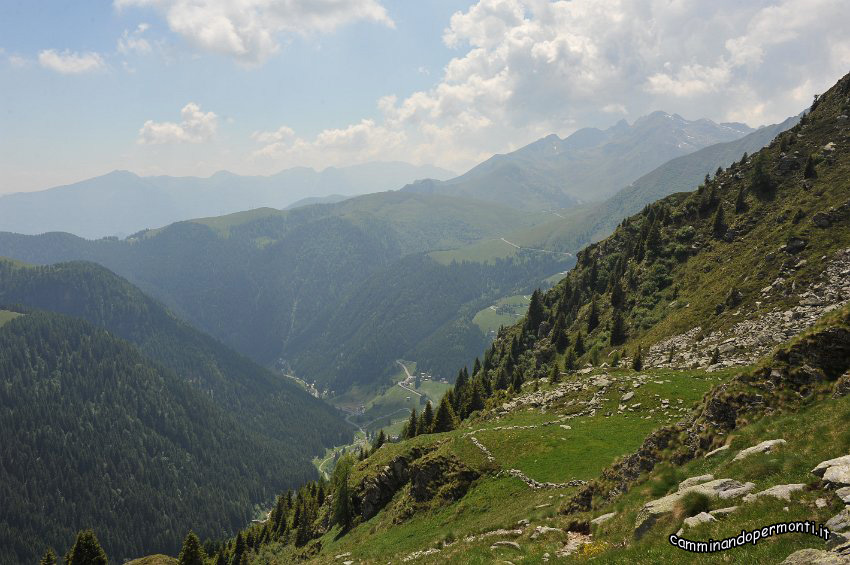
<point>123,203</point>
<point>731,305</point>
<point>589,165</point>
<point>268,283</point>
<point>94,434</point>
<point>268,404</point>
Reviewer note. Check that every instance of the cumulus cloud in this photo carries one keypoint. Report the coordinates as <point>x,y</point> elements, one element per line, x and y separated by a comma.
<point>527,68</point>
<point>70,63</point>
<point>195,126</point>
<point>249,30</point>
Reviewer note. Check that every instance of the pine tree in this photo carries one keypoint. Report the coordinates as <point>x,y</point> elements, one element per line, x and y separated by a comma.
<point>637,362</point>
<point>719,224</point>
<point>535,312</point>
<point>342,510</point>
<point>86,550</point>
<point>476,367</point>
<point>559,334</point>
<point>741,201</point>
<point>578,346</point>
<point>593,315</point>
<point>761,182</point>
<point>49,558</point>
<point>427,418</point>
<point>653,240</point>
<point>570,360</point>
<point>445,420</point>
<point>518,379</point>
<point>617,295</point>
<point>618,329</point>
<point>192,552</point>
<point>379,441</point>
<point>810,172</point>
<point>240,548</point>
<point>411,425</point>
<point>502,380</point>
<point>554,375</point>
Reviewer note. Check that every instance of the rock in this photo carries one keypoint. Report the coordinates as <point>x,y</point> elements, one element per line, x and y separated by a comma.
<point>601,381</point>
<point>628,396</point>
<point>840,521</point>
<point>838,474</point>
<point>778,491</point>
<point>695,481</point>
<point>723,512</point>
<point>821,220</point>
<point>820,503</point>
<point>604,518</point>
<point>541,530</point>
<point>763,447</point>
<point>505,543</point>
<point>716,451</point>
<point>718,488</point>
<point>700,518</point>
<point>814,557</point>
<point>837,539</point>
<point>841,386</point>
<point>820,469</point>
<point>795,245</point>
<point>844,494</point>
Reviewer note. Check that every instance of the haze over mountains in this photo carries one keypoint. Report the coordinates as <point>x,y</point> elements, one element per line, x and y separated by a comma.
<point>122,203</point>
<point>337,292</point>
<point>589,165</point>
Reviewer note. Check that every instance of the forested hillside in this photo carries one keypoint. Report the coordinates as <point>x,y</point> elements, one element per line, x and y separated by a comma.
<point>95,434</point>
<point>272,284</point>
<point>269,404</point>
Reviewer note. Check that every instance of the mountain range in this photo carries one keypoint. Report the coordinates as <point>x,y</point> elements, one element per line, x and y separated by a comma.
<point>122,203</point>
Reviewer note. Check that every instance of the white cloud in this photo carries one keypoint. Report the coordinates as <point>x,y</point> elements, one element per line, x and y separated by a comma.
<point>195,127</point>
<point>249,30</point>
<point>527,68</point>
<point>70,63</point>
<point>18,61</point>
<point>133,42</point>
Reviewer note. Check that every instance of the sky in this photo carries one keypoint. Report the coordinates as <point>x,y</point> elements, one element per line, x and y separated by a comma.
<point>190,87</point>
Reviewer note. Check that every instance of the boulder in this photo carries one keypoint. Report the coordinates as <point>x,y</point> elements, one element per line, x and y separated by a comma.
<point>695,481</point>
<point>840,522</point>
<point>763,447</point>
<point>821,468</point>
<point>778,491</point>
<point>604,518</point>
<point>716,451</point>
<point>717,488</point>
<point>505,543</point>
<point>628,396</point>
<point>838,474</point>
<point>821,220</point>
<point>841,386</point>
<point>723,512</point>
<point>844,494</point>
<point>795,245</point>
<point>700,518</point>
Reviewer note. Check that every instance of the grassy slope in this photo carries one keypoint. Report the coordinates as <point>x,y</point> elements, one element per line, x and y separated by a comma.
<point>7,316</point>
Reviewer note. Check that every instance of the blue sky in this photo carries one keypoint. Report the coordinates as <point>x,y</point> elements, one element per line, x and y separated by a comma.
<point>255,86</point>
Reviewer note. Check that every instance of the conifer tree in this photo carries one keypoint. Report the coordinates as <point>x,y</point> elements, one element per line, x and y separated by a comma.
<point>617,294</point>
<point>86,550</point>
<point>427,420</point>
<point>578,346</point>
<point>653,240</point>
<point>239,549</point>
<point>502,380</point>
<point>476,367</point>
<point>535,312</point>
<point>809,172</point>
<point>761,181</point>
<point>49,558</point>
<point>741,201</point>
<point>192,552</point>
<point>570,360</point>
<point>719,223</point>
<point>342,510</point>
<point>476,399</point>
<point>593,315</point>
<point>618,329</point>
<point>411,425</point>
<point>554,375</point>
<point>518,379</point>
<point>379,441</point>
<point>320,494</point>
<point>637,362</point>
<point>445,420</point>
